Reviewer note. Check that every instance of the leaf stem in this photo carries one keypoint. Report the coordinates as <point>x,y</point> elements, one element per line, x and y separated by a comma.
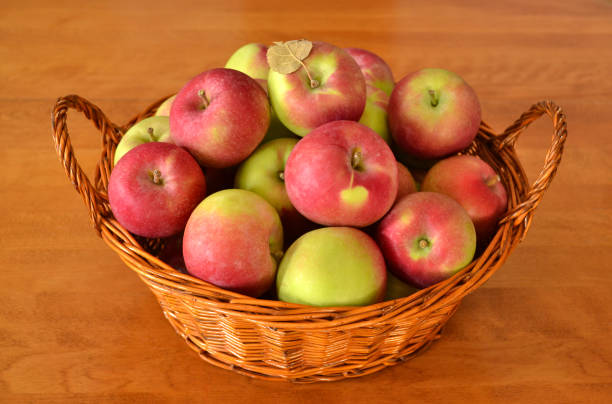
<point>313,83</point>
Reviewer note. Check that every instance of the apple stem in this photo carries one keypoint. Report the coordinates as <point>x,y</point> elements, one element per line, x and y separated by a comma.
<point>356,159</point>
<point>157,176</point>
<point>489,182</point>
<point>150,132</point>
<point>434,98</point>
<point>206,102</point>
<point>423,243</point>
<point>281,175</point>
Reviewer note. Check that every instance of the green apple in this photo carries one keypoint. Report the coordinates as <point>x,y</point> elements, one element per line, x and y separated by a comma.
<point>396,288</point>
<point>264,173</point>
<point>332,266</point>
<point>152,129</point>
<point>164,107</point>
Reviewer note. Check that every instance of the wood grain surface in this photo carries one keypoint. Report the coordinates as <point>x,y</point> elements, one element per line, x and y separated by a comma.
<point>76,325</point>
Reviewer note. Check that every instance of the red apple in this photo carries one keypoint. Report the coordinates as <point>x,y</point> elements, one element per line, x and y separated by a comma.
<point>234,240</point>
<point>379,85</point>
<point>427,237</point>
<point>153,189</point>
<point>475,185</point>
<point>405,182</point>
<point>342,174</point>
<point>433,113</point>
<point>251,60</point>
<point>220,116</point>
<point>337,90</point>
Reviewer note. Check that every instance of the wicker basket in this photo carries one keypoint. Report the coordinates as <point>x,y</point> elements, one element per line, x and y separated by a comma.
<point>281,341</point>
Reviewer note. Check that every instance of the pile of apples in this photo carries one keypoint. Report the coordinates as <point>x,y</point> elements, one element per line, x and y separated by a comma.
<point>278,176</point>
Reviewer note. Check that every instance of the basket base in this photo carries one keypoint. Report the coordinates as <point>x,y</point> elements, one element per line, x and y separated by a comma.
<point>264,371</point>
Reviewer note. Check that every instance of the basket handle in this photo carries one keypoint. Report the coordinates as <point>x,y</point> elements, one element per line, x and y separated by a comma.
<point>532,198</point>
<point>95,200</point>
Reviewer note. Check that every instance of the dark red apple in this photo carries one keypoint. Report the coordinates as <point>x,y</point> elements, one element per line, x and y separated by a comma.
<point>153,189</point>
<point>475,185</point>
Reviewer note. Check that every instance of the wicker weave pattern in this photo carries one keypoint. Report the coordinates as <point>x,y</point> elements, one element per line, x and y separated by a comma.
<point>282,341</point>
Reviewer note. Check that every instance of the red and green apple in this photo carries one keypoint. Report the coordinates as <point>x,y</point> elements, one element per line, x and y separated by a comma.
<point>475,185</point>
<point>342,174</point>
<point>427,237</point>
<point>220,116</point>
<point>379,85</point>
<point>329,87</point>
<point>234,239</point>
<point>433,113</point>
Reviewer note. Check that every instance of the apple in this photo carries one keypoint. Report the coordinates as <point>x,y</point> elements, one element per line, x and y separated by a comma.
<point>153,189</point>
<point>251,60</point>
<point>332,266</point>
<point>164,107</point>
<point>342,174</point>
<point>152,129</point>
<point>172,252</point>
<point>379,85</point>
<point>396,288</point>
<point>476,186</point>
<point>218,179</point>
<point>427,237</point>
<point>234,239</point>
<point>220,116</point>
<point>433,113</point>
<point>337,90</point>
<point>405,182</point>
<point>264,173</point>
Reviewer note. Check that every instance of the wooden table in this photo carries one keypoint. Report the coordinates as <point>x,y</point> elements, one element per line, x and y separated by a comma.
<point>77,326</point>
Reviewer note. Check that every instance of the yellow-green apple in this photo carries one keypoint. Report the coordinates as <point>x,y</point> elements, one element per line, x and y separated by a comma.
<point>332,266</point>
<point>263,172</point>
<point>427,237</point>
<point>342,174</point>
<point>329,87</point>
<point>379,85</point>
<point>475,185</point>
<point>164,107</point>
<point>153,189</point>
<point>152,129</point>
<point>234,240</point>
<point>396,288</point>
<point>220,116</point>
<point>251,60</point>
<point>405,182</point>
<point>433,113</point>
